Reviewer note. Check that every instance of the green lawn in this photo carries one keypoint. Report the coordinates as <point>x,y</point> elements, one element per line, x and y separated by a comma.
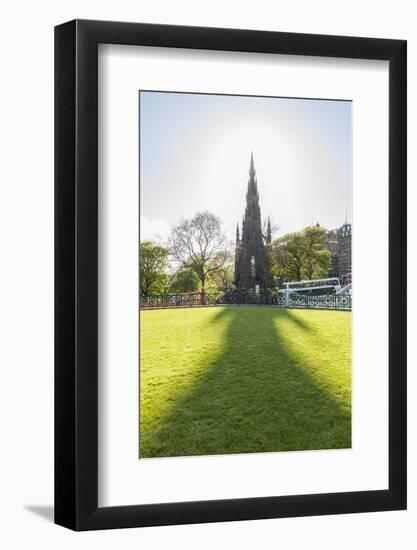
<point>244,379</point>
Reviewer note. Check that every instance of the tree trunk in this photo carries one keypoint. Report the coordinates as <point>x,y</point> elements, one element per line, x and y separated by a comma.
<point>203,297</point>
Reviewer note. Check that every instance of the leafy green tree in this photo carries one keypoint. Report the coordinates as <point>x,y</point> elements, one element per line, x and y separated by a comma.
<point>153,263</point>
<point>301,255</point>
<point>185,280</point>
<point>288,253</point>
<point>317,259</point>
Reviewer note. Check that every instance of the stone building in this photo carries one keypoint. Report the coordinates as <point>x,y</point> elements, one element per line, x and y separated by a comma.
<point>251,265</point>
<point>339,243</point>
<point>344,235</point>
<point>331,242</point>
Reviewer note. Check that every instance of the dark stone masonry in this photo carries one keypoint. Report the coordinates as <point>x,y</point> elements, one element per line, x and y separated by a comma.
<point>251,265</point>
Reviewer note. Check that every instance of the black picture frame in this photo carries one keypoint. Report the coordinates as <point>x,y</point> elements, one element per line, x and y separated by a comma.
<point>76,272</point>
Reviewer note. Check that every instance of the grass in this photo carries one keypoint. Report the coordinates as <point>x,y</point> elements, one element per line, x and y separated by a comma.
<point>228,380</point>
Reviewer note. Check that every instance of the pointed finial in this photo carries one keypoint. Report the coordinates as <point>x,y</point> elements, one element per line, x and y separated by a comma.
<point>237,232</point>
<point>269,232</point>
<point>252,165</point>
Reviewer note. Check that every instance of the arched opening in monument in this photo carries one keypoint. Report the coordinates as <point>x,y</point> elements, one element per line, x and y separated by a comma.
<point>252,266</point>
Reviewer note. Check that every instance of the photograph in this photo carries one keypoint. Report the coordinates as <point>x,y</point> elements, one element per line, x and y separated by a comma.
<point>245,274</point>
<point>190,194</point>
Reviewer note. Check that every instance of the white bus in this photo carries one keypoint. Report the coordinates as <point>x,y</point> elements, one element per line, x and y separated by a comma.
<point>315,286</point>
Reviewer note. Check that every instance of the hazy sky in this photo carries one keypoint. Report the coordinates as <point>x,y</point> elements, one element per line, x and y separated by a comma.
<point>195,153</point>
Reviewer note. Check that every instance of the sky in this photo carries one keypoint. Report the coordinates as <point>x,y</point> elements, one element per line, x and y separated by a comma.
<point>195,153</point>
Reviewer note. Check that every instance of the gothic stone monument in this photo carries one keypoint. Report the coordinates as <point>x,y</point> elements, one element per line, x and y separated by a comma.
<point>251,265</point>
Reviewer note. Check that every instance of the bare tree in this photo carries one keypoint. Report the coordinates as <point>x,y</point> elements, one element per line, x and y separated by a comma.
<point>199,243</point>
<point>223,278</point>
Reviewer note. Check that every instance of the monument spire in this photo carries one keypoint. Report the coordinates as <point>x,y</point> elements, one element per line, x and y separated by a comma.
<point>252,183</point>
<point>252,166</point>
<point>250,261</point>
<point>269,232</point>
<point>237,256</point>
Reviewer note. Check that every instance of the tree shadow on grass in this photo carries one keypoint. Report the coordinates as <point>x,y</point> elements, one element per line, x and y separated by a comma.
<point>258,395</point>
